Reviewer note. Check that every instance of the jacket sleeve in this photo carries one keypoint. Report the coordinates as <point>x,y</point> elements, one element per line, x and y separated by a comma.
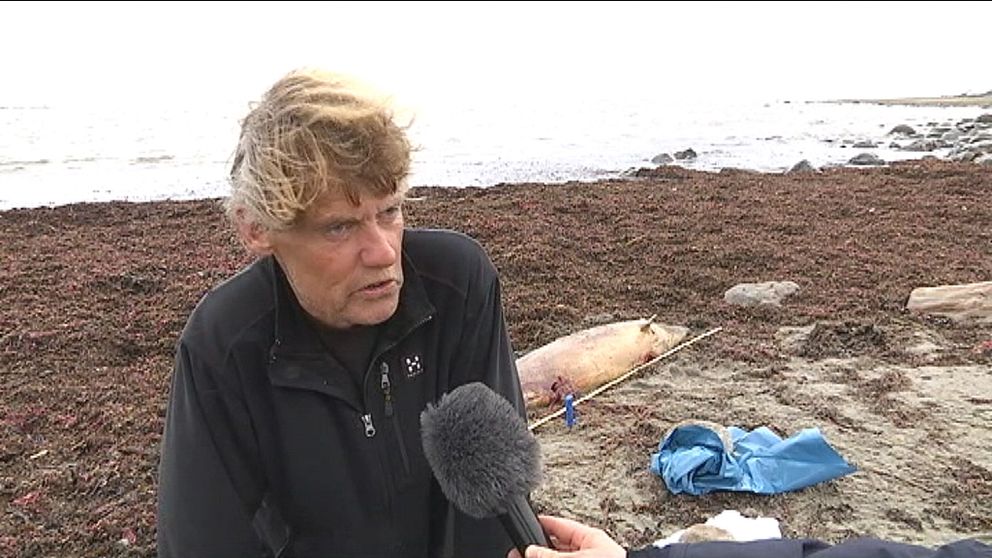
<point>200,512</point>
<point>801,548</point>
<point>485,355</point>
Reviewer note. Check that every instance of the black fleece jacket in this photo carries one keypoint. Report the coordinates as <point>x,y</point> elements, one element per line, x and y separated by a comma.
<point>271,449</point>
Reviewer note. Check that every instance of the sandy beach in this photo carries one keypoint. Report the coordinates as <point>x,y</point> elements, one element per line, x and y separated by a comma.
<point>94,296</point>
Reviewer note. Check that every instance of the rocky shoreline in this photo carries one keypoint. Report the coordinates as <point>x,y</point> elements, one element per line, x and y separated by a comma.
<point>966,140</point>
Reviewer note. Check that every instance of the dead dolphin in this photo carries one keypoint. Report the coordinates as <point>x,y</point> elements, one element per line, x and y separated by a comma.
<point>584,360</point>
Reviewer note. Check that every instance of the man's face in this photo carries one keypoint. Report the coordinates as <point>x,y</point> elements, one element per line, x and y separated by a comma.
<point>342,261</point>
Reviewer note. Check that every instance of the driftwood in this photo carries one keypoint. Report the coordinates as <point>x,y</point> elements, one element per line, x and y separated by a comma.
<point>961,303</point>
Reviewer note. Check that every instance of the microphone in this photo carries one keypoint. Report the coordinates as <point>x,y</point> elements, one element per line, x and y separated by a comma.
<point>485,459</point>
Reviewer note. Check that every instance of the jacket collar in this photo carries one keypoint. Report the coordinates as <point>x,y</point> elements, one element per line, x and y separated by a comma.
<point>297,358</point>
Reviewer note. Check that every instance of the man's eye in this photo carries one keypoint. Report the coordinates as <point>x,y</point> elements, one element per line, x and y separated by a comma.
<point>337,230</point>
<point>391,213</point>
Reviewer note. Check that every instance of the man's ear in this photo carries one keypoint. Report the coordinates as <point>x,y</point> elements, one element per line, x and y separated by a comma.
<point>254,235</point>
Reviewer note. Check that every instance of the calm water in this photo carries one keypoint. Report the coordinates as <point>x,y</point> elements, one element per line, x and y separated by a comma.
<point>52,155</point>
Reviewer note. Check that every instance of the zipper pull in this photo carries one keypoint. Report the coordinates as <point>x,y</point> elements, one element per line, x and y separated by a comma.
<point>384,384</point>
<point>369,427</point>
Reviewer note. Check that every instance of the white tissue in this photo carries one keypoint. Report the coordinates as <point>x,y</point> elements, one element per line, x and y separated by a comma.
<point>740,527</point>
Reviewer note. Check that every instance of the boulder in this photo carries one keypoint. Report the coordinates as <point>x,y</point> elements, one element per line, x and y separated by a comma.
<point>803,166</point>
<point>952,135</point>
<point>865,159</point>
<point>902,130</point>
<point>753,294</point>
<point>921,145</point>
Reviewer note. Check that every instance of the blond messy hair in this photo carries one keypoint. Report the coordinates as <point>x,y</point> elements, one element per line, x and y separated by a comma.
<point>314,132</point>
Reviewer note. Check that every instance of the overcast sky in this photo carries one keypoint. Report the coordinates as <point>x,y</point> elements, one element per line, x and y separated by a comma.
<point>176,52</point>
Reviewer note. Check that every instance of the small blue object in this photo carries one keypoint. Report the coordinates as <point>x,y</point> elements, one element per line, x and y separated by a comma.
<point>695,459</point>
<point>569,411</point>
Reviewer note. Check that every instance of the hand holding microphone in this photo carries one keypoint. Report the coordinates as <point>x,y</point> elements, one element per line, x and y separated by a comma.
<point>485,459</point>
<point>573,540</point>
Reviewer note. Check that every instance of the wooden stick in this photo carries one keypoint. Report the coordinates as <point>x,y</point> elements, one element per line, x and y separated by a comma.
<point>544,420</point>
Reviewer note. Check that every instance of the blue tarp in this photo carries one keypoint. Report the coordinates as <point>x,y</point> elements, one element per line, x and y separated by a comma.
<point>694,459</point>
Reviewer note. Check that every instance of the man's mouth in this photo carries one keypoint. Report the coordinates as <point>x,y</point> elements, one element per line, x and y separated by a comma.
<point>379,288</point>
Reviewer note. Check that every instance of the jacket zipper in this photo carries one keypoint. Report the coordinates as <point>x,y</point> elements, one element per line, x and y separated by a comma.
<point>385,387</point>
<point>366,417</point>
<point>389,410</point>
<point>387,394</point>
<point>369,427</point>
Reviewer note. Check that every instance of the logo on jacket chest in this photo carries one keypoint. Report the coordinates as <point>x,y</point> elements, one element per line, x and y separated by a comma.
<point>413,366</point>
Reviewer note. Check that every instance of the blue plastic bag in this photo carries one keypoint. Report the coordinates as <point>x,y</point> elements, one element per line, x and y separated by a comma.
<point>696,459</point>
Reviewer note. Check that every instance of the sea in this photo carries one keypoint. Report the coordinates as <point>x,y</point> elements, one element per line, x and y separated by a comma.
<point>53,155</point>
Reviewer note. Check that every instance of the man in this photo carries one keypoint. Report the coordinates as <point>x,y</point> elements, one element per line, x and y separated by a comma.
<point>576,540</point>
<point>293,423</point>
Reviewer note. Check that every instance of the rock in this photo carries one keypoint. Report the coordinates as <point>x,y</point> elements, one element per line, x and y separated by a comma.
<point>953,135</point>
<point>598,319</point>
<point>984,160</point>
<point>735,171</point>
<point>963,155</point>
<point>687,154</point>
<point>902,130</point>
<point>865,144</point>
<point>921,145</point>
<point>985,118</point>
<point>981,146</point>
<point>662,159</point>
<point>803,166</point>
<point>866,159</point>
<point>753,294</point>
<point>962,303</point>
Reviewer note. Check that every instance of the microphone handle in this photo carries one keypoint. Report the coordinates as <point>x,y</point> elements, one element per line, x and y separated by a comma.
<point>520,522</point>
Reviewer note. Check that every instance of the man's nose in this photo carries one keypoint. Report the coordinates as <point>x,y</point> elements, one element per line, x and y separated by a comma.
<point>377,250</point>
